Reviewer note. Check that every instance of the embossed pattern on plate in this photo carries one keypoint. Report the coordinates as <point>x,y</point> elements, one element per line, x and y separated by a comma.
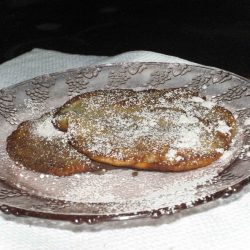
<point>119,194</point>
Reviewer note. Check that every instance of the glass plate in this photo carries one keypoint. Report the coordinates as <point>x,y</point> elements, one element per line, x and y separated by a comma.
<point>121,194</point>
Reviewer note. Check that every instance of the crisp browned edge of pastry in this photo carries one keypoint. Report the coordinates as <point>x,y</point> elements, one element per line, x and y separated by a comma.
<point>188,162</point>
<point>183,165</point>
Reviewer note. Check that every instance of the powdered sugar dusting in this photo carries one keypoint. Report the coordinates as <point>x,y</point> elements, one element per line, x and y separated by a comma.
<point>223,127</point>
<point>188,139</point>
<point>47,130</point>
<point>197,99</point>
<point>153,189</point>
<point>247,122</point>
<point>208,104</point>
<point>187,119</point>
<point>146,191</point>
<point>145,123</point>
<point>203,102</point>
<point>117,191</point>
<point>171,154</point>
<point>220,150</point>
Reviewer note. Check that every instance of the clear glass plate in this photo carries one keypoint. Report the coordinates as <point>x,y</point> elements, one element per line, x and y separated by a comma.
<point>121,194</point>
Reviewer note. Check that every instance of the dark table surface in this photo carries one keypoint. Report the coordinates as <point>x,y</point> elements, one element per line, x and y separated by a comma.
<point>214,33</point>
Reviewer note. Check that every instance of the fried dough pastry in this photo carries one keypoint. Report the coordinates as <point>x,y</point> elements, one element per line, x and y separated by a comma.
<point>165,130</point>
<point>38,146</point>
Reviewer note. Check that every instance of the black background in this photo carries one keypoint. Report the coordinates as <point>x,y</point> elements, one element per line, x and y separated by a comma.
<point>214,33</point>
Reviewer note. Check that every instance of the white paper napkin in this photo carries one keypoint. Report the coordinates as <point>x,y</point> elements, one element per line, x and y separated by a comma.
<point>224,226</point>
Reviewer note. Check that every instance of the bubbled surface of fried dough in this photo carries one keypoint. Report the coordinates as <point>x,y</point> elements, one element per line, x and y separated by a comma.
<point>165,130</point>
<point>38,146</point>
